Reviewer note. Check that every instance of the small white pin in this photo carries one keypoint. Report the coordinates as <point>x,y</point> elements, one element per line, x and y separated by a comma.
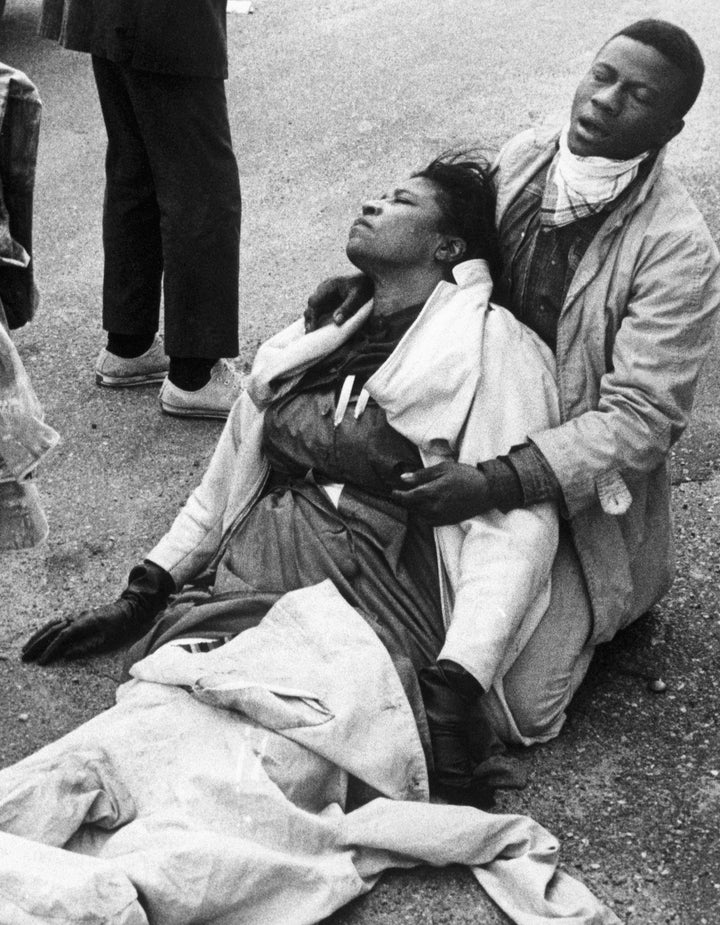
<point>343,400</point>
<point>362,401</point>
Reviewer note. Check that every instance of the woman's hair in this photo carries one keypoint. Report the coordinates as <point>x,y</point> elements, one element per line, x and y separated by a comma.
<point>466,196</point>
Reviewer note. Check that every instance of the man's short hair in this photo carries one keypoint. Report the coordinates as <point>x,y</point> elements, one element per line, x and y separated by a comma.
<point>678,48</point>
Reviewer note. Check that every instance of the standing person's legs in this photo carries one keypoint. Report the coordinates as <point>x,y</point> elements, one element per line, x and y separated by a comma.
<point>186,132</point>
<point>131,217</point>
<point>543,679</point>
<point>131,242</point>
<point>172,209</point>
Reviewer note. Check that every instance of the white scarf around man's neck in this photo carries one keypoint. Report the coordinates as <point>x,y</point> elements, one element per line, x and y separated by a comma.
<point>580,186</point>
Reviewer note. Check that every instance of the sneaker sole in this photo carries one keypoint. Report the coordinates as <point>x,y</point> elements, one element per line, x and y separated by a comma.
<point>209,414</point>
<point>128,382</point>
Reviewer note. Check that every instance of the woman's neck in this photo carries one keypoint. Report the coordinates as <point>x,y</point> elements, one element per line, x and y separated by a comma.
<point>395,292</point>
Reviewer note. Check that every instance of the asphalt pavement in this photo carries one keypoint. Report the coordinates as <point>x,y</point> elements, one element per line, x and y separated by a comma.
<point>331,101</point>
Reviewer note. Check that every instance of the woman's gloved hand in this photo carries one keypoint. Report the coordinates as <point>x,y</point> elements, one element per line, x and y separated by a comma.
<point>91,631</point>
<point>339,297</point>
<point>450,695</point>
<point>107,626</point>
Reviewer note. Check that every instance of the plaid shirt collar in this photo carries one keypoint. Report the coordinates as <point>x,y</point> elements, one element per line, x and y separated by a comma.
<point>577,187</point>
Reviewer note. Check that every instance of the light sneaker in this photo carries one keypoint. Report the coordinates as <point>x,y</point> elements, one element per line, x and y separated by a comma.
<point>116,372</point>
<point>213,400</point>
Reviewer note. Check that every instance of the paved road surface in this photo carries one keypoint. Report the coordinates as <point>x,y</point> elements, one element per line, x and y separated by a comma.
<point>332,100</point>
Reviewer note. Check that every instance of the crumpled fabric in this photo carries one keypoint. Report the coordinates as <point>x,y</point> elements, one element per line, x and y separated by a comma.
<point>24,437</point>
<point>41,884</point>
<point>24,440</point>
<point>212,816</point>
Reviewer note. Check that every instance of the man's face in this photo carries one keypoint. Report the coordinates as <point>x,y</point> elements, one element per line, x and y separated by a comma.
<point>627,103</point>
<point>398,229</point>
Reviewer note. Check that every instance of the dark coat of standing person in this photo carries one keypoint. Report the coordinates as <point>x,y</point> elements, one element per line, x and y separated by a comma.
<point>171,215</point>
<point>607,258</point>
<point>20,111</point>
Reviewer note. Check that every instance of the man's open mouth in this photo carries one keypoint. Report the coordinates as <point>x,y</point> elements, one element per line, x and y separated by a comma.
<point>591,127</point>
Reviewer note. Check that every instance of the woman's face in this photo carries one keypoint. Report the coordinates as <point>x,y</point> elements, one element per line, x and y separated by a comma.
<point>400,229</point>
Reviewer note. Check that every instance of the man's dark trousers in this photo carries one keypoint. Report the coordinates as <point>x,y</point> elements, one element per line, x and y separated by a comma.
<point>172,209</point>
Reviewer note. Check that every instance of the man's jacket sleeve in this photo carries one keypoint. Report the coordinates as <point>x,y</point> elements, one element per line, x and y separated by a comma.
<point>646,391</point>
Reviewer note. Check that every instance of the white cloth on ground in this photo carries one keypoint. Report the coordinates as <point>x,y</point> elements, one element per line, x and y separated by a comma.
<point>216,786</point>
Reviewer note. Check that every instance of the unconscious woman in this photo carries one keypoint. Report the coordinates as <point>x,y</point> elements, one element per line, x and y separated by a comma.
<point>298,490</point>
<point>297,498</point>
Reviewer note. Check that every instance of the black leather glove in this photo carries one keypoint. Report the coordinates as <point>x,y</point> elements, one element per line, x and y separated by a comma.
<point>450,695</point>
<point>107,626</point>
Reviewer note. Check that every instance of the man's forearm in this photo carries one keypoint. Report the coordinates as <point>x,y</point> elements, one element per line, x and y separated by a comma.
<point>520,479</point>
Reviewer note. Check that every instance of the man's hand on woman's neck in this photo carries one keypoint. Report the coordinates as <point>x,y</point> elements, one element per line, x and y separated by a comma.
<point>393,292</point>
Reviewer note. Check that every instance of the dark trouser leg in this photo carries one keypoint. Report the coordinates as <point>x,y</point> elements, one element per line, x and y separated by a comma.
<point>185,129</point>
<point>131,217</point>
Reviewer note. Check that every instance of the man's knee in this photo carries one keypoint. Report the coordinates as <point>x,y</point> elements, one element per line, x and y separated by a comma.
<point>537,699</point>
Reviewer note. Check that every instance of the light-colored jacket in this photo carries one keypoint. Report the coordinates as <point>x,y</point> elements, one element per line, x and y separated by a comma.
<point>633,333</point>
<point>466,381</point>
